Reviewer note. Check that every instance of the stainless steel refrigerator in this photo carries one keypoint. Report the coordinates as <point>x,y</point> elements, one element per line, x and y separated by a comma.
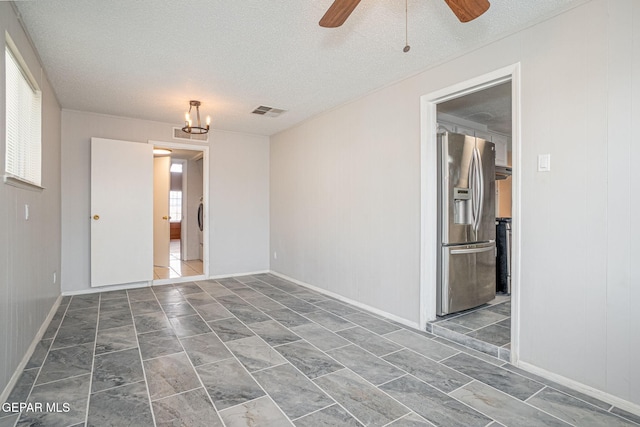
<point>466,222</point>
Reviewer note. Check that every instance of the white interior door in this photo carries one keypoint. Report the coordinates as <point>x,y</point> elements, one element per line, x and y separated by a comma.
<point>161,226</point>
<point>121,212</point>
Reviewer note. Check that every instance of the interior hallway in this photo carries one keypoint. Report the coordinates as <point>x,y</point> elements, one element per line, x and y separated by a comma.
<point>177,267</point>
<point>214,353</point>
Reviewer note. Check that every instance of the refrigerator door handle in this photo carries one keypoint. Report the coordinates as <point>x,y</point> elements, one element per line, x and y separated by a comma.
<point>480,180</point>
<point>472,250</point>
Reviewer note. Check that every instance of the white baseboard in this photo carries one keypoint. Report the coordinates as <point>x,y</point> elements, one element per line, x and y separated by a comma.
<point>43,328</point>
<point>96,290</point>
<point>358,304</point>
<point>250,273</point>
<point>590,391</point>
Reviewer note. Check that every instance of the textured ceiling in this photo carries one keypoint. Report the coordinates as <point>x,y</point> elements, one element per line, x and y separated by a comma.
<point>147,58</point>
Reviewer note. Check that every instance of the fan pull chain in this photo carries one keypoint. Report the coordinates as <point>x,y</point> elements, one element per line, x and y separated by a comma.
<point>406,27</point>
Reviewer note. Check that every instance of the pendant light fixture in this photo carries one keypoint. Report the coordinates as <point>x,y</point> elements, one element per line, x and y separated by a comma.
<point>188,122</point>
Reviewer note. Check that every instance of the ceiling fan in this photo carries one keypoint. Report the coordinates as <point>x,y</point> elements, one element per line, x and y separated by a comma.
<point>465,10</point>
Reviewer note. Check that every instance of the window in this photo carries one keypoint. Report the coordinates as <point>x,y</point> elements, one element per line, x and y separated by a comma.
<point>24,110</point>
<point>175,206</point>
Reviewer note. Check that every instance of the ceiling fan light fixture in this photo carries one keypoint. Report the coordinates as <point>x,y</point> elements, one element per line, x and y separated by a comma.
<point>188,121</point>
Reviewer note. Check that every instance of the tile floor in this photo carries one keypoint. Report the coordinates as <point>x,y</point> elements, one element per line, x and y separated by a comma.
<point>261,351</point>
<point>486,328</point>
<point>177,267</point>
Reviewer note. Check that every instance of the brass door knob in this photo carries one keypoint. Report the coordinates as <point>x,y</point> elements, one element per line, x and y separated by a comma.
<point>96,217</point>
<point>165,217</point>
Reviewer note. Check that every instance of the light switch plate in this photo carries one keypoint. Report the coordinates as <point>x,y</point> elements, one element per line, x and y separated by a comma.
<point>544,162</point>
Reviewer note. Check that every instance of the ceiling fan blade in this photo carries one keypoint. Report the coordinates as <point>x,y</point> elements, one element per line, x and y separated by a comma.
<point>468,10</point>
<point>338,12</point>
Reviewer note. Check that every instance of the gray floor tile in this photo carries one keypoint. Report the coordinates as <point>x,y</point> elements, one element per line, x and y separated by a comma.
<point>141,294</point>
<point>308,359</point>
<point>230,283</point>
<point>39,354</point>
<point>21,390</point>
<point>369,341</point>
<point>411,420</point>
<point>187,326</point>
<point>151,322</point>
<point>200,298</point>
<point>297,305</point>
<point>79,302</point>
<point>575,411</point>
<point>242,310</point>
<point>127,405</point>
<point>329,417</point>
<point>255,354</point>
<point>205,348</point>
<point>627,415</point>
<point>144,307</point>
<point>230,329</point>
<point>246,292</point>
<point>274,333</point>
<point>190,409</point>
<point>213,288</point>
<point>454,327</point>
<point>433,373</point>
<point>293,392</point>
<point>503,408</point>
<point>504,308</point>
<point>66,362</point>
<point>477,319</point>
<point>112,295</point>
<point>114,304</point>
<point>592,400</point>
<point>114,319</point>
<point>158,343</point>
<point>493,334</point>
<point>8,421</point>
<point>480,355</point>
<point>337,308</point>
<point>116,369</point>
<point>168,294</point>
<point>288,318</point>
<point>433,405</point>
<point>73,391</point>
<point>309,296</point>
<point>372,323</point>
<point>319,336</point>
<point>365,364</point>
<point>506,381</point>
<point>261,413</point>
<point>78,327</point>
<point>367,403</point>
<point>425,346</point>
<point>264,303</point>
<point>329,320</point>
<point>116,339</point>
<point>178,309</point>
<point>506,323</point>
<point>169,375</point>
<point>188,288</point>
<point>213,311</point>
<point>228,383</point>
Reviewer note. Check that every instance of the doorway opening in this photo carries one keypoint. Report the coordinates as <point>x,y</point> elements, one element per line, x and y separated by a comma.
<point>487,108</point>
<point>180,213</point>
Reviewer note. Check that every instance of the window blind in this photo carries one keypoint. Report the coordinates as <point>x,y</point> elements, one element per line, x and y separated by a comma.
<point>23,158</point>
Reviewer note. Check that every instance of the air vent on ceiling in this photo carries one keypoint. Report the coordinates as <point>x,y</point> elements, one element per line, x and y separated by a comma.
<point>268,111</point>
<point>180,134</point>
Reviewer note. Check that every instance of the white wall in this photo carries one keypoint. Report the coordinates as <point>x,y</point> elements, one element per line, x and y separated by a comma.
<point>238,199</point>
<point>345,193</point>
<point>29,250</point>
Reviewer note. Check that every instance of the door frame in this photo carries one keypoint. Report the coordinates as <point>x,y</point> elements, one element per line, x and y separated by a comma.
<point>428,191</point>
<point>205,202</point>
